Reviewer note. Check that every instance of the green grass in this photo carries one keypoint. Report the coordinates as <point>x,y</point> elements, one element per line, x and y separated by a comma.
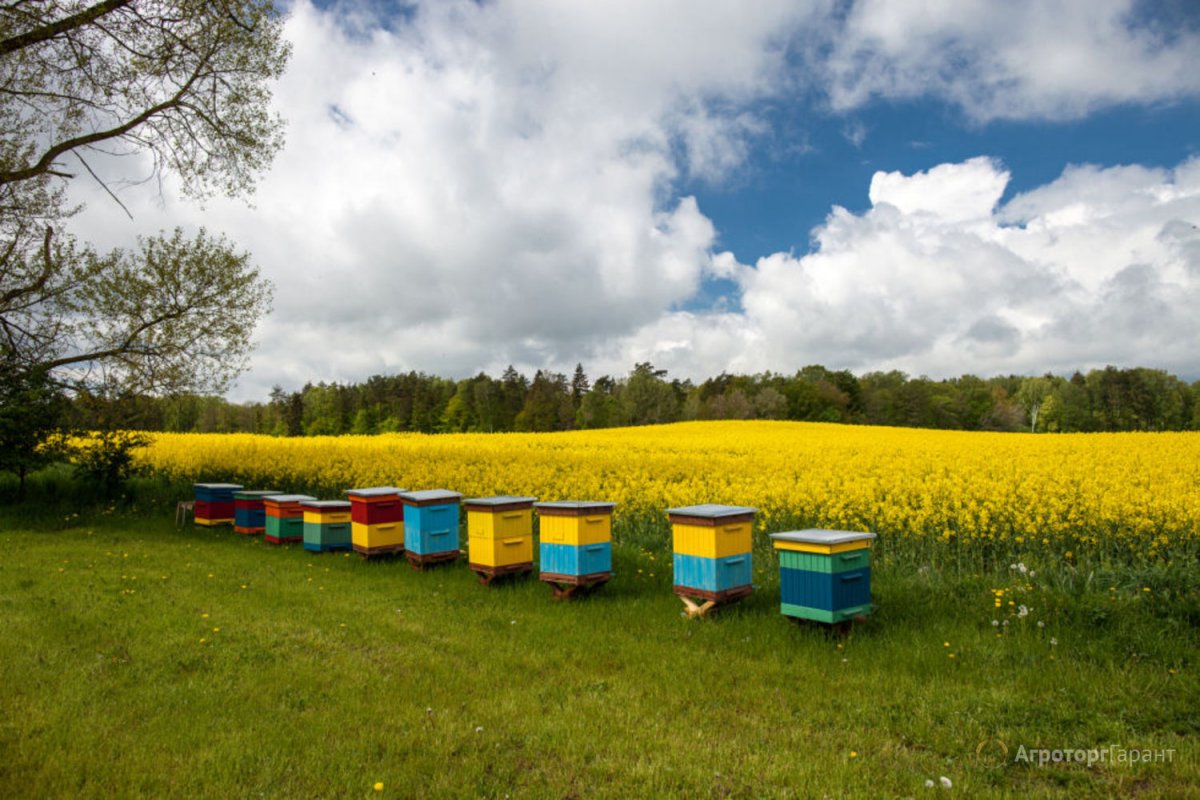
<point>329,674</point>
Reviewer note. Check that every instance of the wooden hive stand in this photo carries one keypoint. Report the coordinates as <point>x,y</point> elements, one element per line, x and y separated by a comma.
<point>568,587</point>
<point>488,574</point>
<point>420,562</point>
<point>698,603</point>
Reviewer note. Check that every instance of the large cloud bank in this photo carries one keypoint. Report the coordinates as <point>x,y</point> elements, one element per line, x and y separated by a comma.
<point>483,184</point>
<point>1100,266</point>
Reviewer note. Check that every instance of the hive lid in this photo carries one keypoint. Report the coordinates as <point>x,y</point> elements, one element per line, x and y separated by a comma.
<point>431,495</point>
<point>711,511</point>
<point>255,494</point>
<point>822,536</point>
<point>326,505</point>
<point>289,498</point>
<point>230,486</point>
<point>500,500</point>
<point>576,505</point>
<point>375,491</point>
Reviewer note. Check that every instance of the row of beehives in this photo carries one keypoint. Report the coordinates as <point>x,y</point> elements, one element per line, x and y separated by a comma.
<point>824,575</point>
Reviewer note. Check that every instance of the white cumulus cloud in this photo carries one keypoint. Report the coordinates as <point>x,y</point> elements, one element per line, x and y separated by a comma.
<point>1019,59</point>
<point>1100,266</point>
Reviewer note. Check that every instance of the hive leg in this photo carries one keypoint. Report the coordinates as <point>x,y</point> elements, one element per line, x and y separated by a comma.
<point>694,610</point>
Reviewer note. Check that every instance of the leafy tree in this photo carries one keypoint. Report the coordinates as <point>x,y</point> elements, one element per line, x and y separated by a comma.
<point>31,410</point>
<point>770,404</point>
<point>647,399</point>
<point>598,409</point>
<point>548,405</point>
<point>579,386</point>
<point>105,458</point>
<point>180,86</point>
<point>1032,395</point>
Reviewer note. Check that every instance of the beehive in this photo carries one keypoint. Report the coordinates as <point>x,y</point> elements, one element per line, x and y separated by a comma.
<point>284,518</point>
<point>430,526</point>
<point>824,575</point>
<point>249,514</point>
<point>712,559</point>
<point>326,525</point>
<point>214,503</point>
<point>376,520</point>
<point>499,535</point>
<point>576,543</point>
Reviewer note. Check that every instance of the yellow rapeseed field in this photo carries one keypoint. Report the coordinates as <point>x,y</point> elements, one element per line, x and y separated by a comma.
<point>1068,495</point>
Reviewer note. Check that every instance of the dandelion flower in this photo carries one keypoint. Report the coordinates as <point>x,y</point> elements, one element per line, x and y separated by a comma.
<point>379,786</point>
<point>854,754</point>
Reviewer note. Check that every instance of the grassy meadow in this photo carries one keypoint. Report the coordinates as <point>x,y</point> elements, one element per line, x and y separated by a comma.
<point>145,660</point>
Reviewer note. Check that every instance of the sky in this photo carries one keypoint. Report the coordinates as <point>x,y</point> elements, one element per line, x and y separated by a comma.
<point>945,187</point>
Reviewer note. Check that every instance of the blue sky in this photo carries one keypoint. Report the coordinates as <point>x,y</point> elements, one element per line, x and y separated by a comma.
<point>941,187</point>
<point>778,198</point>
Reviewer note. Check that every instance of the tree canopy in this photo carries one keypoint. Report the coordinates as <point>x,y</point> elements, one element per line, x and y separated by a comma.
<point>176,86</point>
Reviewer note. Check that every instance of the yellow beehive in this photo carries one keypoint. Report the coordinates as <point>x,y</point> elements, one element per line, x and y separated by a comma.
<point>372,537</point>
<point>499,535</point>
<point>712,541</point>
<point>593,525</point>
<point>489,552</point>
<point>499,524</point>
<point>325,517</point>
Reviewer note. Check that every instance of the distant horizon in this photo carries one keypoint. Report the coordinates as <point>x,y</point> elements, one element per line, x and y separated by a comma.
<point>670,377</point>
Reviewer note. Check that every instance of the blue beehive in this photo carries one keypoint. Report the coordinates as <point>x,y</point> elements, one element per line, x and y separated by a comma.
<point>712,575</point>
<point>576,545</point>
<point>430,526</point>
<point>824,575</point>
<point>579,560</point>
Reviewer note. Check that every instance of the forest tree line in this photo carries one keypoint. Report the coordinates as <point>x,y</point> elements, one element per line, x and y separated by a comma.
<point>1109,399</point>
